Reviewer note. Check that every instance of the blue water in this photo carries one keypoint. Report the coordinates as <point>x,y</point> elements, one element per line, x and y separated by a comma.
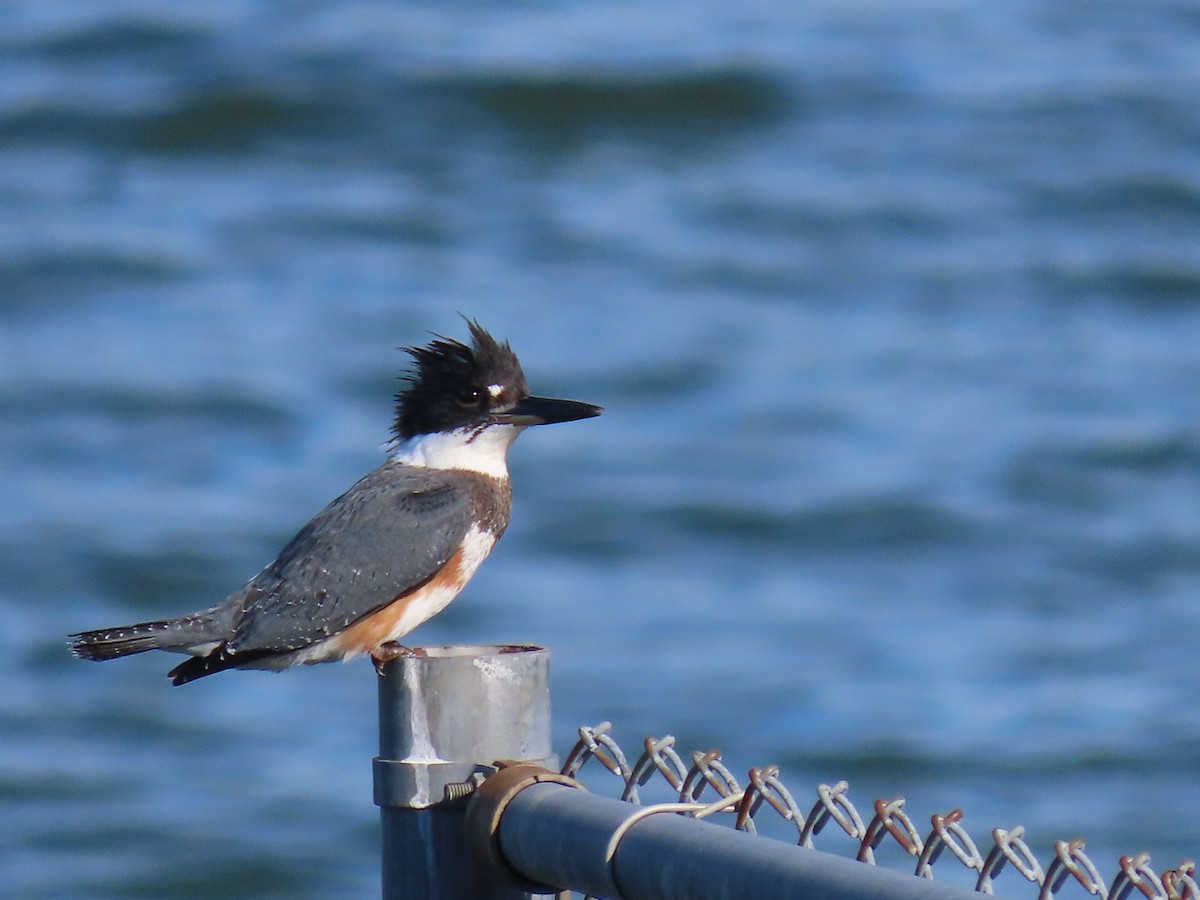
<point>894,308</point>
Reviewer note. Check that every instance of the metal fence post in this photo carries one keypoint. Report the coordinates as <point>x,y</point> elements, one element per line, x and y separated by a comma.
<point>446,713</point>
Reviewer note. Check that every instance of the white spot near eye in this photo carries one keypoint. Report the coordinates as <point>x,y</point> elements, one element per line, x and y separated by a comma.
<point>495,390</point>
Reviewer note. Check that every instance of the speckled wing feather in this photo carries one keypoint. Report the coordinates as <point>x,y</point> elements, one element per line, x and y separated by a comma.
<point>388,534</point>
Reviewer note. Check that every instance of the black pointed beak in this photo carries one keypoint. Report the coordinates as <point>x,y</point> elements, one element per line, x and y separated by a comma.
<point>544,411</point>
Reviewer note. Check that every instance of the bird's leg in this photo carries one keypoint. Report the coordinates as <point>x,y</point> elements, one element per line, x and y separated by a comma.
<point>392,650</point>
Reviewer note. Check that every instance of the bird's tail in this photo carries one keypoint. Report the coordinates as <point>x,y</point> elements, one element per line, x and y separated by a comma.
<point>179,634</point>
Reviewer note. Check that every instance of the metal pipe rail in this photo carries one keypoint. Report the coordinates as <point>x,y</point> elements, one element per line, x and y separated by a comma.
<point>535,829</point>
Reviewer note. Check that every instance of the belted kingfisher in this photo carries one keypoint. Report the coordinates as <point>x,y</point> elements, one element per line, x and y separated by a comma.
<point>393,550</point>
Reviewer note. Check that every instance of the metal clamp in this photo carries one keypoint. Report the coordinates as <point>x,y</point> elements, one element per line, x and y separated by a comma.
<point>486,808</point>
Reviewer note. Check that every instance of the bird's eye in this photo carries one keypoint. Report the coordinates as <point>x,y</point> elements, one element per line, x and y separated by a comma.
<point>470,396</point>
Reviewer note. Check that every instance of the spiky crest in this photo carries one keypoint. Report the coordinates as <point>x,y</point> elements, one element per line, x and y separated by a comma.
<point>453,385</point>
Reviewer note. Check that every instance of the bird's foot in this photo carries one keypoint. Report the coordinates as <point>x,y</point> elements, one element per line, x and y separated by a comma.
<point>392,650</point>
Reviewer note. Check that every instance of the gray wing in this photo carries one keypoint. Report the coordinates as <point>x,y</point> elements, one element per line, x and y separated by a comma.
<point>388,534</point>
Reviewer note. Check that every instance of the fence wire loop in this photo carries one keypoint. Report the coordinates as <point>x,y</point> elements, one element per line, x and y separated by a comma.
<point>633,818</point>
<point>708,770</point>
<point>1010,848</point>
<point>767,788</point>
<point>595,743</point>
<point>1136,874</point>
<point>832,803</point>
<point>765,791</point>
<point>890,818</point>
<point>1069,859</point>
<point>948,834</point>
<point>1180,883</point>
<point>659,756</point>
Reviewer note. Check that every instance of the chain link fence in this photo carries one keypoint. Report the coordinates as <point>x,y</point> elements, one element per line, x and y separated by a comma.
<point>707,788</point>
<point>471,808</point>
